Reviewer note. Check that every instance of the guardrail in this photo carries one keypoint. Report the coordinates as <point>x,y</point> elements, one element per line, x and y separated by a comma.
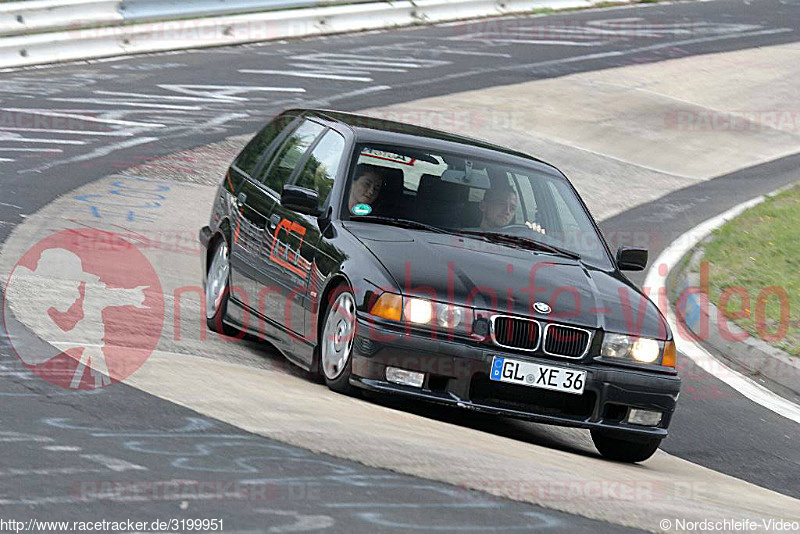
<point>34,16</point>
<point>149,10</point>
<point>40,15</point>
<point>48,31</point>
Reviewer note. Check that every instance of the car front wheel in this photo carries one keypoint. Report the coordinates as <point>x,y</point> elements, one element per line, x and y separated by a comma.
<point>624,450</point>
<point>217,289</point>
<point>336,345</point>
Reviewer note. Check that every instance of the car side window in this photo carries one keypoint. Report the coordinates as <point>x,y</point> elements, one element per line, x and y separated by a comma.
<point>248,159</point>
<point>289,155</point>
<point>320,169</point>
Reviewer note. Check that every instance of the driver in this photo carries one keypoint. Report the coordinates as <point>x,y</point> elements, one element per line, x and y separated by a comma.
<point>499,206</point>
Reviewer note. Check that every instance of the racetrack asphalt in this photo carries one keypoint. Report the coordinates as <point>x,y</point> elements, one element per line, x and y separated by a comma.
<point>733,436</point>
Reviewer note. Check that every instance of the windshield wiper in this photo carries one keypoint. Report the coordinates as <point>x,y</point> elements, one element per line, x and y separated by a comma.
<point>523,242</point>
<point>402,223</point>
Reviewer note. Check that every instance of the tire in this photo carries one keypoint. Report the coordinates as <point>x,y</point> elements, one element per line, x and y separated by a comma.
<point>624,450</point>
<point>336,342</point>
<point>217,289</point>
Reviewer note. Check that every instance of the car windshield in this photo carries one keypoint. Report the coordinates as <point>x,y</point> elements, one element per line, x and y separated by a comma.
<point>530,207</point>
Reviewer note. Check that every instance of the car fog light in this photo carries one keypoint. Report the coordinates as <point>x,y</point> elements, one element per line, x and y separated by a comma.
<point>406,378</point>
<point>644,417</point>
<point>449,316</point>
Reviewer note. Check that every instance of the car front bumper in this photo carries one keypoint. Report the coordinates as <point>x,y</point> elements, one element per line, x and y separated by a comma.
<point>457,374</point>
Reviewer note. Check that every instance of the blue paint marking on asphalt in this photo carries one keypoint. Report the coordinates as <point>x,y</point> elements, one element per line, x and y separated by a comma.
<point>104,205</point>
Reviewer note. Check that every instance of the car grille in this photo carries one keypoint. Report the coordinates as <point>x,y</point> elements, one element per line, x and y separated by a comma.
<point>516,333</point>
<point>531,400</point>
<point>525,334</point>
<point>566,341</point>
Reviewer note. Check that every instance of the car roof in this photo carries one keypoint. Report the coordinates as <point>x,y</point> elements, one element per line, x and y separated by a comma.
<point>369,129</point>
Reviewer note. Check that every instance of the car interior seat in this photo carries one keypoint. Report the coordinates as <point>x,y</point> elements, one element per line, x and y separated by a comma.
<point>392,201</point>
<point>441,203</point>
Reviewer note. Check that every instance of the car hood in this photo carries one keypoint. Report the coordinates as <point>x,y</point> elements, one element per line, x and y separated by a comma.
<point>469,271</point>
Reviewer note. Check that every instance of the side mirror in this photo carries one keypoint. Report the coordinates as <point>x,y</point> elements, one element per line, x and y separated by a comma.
<point>631,259</point>
<point>300,199</point>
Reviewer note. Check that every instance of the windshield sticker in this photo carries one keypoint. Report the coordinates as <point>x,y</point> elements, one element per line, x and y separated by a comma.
<point>361,209</point>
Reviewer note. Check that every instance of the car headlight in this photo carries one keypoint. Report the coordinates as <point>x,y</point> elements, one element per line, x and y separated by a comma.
<point>418,311</point>
<point>439,315</point>
<point>638,349</point>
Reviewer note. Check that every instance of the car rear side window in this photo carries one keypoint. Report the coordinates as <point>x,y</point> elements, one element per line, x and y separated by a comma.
<point>257,148</point>
<point>290,154</point>
<point>320,169</point>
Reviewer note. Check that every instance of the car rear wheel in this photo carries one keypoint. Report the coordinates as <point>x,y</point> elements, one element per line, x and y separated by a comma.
<point>624,450</point>
<point>336,344</point>
<point>217,292</point>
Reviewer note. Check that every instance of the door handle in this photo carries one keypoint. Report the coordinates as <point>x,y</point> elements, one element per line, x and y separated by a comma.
<point>274,220</point>
<point>241,198</point>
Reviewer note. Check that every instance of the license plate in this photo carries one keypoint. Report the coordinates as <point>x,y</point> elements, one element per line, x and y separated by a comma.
<point>537,376</point>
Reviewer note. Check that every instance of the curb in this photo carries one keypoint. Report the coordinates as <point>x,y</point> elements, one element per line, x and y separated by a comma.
<point>700,316</point>
<point>786,405</point>
<point>83,43</point>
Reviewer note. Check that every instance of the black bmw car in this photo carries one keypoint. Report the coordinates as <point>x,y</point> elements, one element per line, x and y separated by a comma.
<point>408,261</point>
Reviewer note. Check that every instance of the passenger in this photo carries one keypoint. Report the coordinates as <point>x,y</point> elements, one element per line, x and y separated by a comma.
<point>366,186</point>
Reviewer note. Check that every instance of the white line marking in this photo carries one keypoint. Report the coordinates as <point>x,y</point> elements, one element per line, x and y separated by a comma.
<point>350,94</point>
<point>115,464</point>
<point>344,62</point>
<point>307,75</point>
<point>172,97</point>
<point>61,448</point>
<point>406,61</point>
<point>222,119</point>
<point>18,436</point>
<point>444,50</point>
<point>35,501</point>
<point>670,257</point>
<point>589,57</point>
<point>87,118</point>
<point>7,149</point>
<point>120,133</point>
<point>4,139</point>
<point>224,93</point>
<point>103,102</point>
<point>542,42</point>
<point>99,152</point>
<point>6,159</point>
<point>632,163</point>
<point>48,471</point>
<point>10,205</point>
<point>313,67</point>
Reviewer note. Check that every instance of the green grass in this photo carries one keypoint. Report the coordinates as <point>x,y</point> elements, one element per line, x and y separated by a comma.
<point>756,250</point>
